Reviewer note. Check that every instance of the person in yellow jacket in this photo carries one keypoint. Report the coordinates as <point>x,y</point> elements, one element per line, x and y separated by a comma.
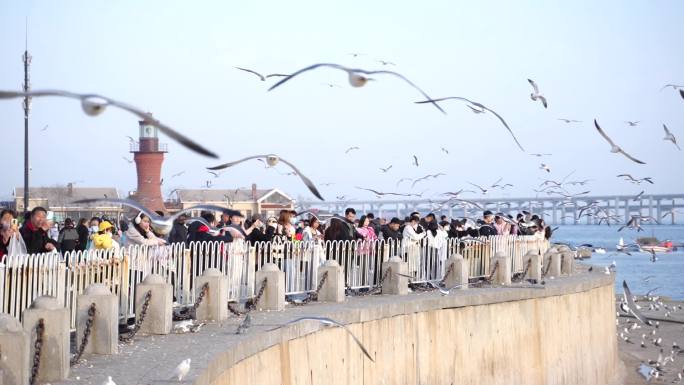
<point>103,239</point>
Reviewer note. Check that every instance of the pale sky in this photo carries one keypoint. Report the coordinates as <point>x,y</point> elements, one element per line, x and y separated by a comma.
<point>606,60</point>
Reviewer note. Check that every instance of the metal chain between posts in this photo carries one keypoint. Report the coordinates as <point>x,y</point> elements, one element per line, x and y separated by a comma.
<point>548,267</point>
<point>378,288</point>
<point>190,313</point>
<point>37,347</point>
<point>487,280</point>
<point>86,335</point>
<point>250,305</point>
<point>139,320</point>
<point>313,295</point>
<point>522,276</point>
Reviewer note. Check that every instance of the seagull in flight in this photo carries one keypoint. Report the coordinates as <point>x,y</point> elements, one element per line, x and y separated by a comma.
<point>355,54</point>
<point>545,167</point>
<point>403,180</point>
<point>476,110</point>
<point>482,189</point>
<point>386,168</point>
<point>444,150</point>
<point>670,137</point>
<point>347,151</point>
<point>94,104</point>
<point>632,124</point>
<point>415,161</point>
<point>540,155</point>
<point>177,174</point>
<point>630,178</point>
<point>161,224</point>
<point>272,160</point>
<point>426,177</point>
<point>379,194</point>
<point>262,77</point>
<point>570,120</point>
<point>126,159</point>
<point>357,77</point>
<point>385,62</point>
<point>638,196</point>
<point>330,322</point>
<point>479,105</point>
<point>674,86</point>
<point>536,95</point>
<point>615,149</point>
<point>215,174</point>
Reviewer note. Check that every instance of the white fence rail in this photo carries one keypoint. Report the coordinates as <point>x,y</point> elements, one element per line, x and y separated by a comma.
<point>25,277</point>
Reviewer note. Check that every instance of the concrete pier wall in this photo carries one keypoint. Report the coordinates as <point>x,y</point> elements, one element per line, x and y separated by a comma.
<point>564,334</point>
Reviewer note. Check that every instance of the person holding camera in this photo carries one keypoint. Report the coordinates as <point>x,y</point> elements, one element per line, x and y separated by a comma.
<point>35,233</point>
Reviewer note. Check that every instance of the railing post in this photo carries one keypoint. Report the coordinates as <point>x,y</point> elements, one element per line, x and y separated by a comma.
<point>459,274</point>
<point>54,361</point>
<point>104,333</point>
<point>158,319</point>
<point>394,283</point>
<point>503,268</point>
<point>14,358</point>
<point>333,287</point>
<point>274,295</point>
<point>213,305</point>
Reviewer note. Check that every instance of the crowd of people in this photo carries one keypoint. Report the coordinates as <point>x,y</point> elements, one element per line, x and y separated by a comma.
<point>39,232</point>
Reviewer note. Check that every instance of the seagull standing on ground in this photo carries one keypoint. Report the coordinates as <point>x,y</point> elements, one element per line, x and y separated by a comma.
<point>262,77</point>
<point>536,95</point>
<point>181,370</point>
<point>94,104</point>
<point>357,77</point>
<point>670,137</point>
<point>272,160</point>
<point>615,149</point>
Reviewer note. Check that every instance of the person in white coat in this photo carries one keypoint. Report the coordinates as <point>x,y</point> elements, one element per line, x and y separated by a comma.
<point>412,244</point>
<point>437,236</point>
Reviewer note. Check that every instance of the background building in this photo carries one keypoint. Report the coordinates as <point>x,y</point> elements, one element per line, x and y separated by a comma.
<point>267,202</point>
<point>59,199</point>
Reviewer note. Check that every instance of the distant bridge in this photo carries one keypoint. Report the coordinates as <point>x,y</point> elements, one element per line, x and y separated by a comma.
<point>666,208</point>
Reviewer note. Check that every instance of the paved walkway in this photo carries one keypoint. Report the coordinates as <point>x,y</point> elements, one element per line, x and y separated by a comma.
<point>151,359</point>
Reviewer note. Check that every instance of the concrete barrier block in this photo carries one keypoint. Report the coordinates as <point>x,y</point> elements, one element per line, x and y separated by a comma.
<point>395,284</point>
<point>104,333</point>
<point>460,272</point>
<point>567,262</point>
<point>213,305</point>
<point>159,317</point>
<point>333,287</point>
<point>536,262</point>
<point>274,295</point>
<point>503,271</point>
<point>554,270</point>
<point>55,352</point>
<point>14,358</point>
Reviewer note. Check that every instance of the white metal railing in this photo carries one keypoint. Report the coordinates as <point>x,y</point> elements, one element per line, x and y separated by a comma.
<point>25,277</point>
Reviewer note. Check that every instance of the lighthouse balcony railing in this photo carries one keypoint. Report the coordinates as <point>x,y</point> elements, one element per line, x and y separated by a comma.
<point>156,147</point>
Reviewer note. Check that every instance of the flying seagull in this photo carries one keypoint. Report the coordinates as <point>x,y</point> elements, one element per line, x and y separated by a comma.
<point>545,167</point>
<point>379,194</point>
<point>670,137</point>
<point>272,160</point>
<point>385,62</point>
<point>330,322</point>
<point>570,120</point>
<point>540,155</point>
<point>415,181</point>
<point>415,161</point>
<point>386,168</point>
<point>262,77</point>
<point>351,149</point>
<point>476,110</point>
<point>681,93</point>
<point>483,190</point>
<point>632,124</point>
<point>357,77</point>
<point>94,104</point>
<point>638,196</point>
<point>403,180</point>
<point>536,95</point>
<point>634,180</point>
<point>615,148</point>
<point>444,150</point>
<point>479,105</point>
<point>177,174</point>
<point>674,86</point>
<point>126,159</point>
<point>161,224</point>
<point>631,306</point>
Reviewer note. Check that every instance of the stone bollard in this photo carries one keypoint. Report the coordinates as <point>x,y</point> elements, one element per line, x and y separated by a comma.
<point>104,332</point>
<point>213,305</point>
<point>503,271</point>
<point>460,271</point>
<point>159,316</point>
<point>333,287</point>
<point>274,295</point>
<point>552,260</point>
<point>567,262</point>
<point>535,270</point>
<point>393,283</point>
<point>14,361</point>
<point>54,354</point>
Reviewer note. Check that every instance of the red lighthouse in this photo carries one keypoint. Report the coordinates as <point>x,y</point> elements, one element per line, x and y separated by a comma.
<point>148,154</point>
